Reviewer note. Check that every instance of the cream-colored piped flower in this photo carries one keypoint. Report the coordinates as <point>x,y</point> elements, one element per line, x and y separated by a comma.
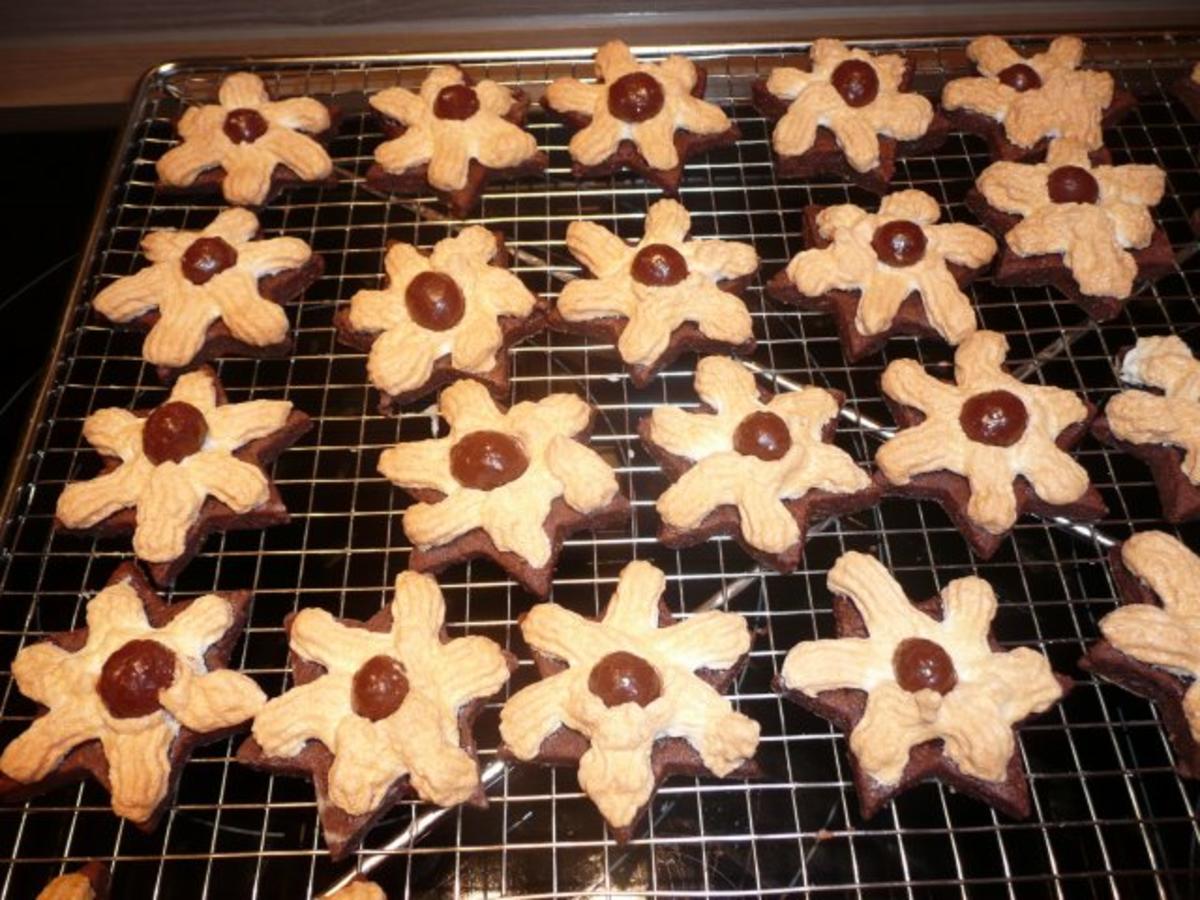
<point>403,356</point>
<point>990,464</point>
<point>617,770</point>
<point>972,707</point>
<point>758,487</point>
<point>543,463</point>
<point>655,136</point>
<point>816,103</point>
<point>1094,237</point>
<point>1069,102</point>
<point>447,145</point>
<point>1166,635</point>
<point>187,309</point>
<point>218,135</point>
<point>653,311</point>
<point>137,748</point>
<point>851,262</point>
<point>168,494</point>
<point>419,737</point>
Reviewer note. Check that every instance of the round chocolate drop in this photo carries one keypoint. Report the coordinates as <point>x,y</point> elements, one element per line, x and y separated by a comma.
<point>920,664</point>
<point>856,81</point>
<point>380,686</point>
<point>635,97</point>
<point>622,677</point>
<point>658,265</point>
<point>206,257</point>
<point>898,244</point>
<point>456,101</point>
<point>485,460</point>
<point>434,301</point>
<point>762,434</point>
<point>1072,184</point>
<point>996,418</point>
<point>173,432</point>
<point>244,126</point>
<point>132,678</point>
<point>1020,77</point>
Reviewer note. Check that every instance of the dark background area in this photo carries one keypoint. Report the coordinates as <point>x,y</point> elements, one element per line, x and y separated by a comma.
<point>48,201</point>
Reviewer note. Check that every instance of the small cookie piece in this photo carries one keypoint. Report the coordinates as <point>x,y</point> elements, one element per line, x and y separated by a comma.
<point>249,147</point>
<point>987,447</point>
<point>381,710</point>
<point>894,272</point>
<point>752,464</point>
<point>454,135</point>
<point>1151,643</point>
<point>453,313</point>
<point>1085,229</point>
<point>923,690</point>
<point>648,117</point>
<point>1018,104</point>
<point>632,698</point>
<point>1161,429</point>
<point>127,698</point>
<point>850,115</point>
<point>173,474</point>
<point>509,485</point>
<point>1187,89</point>
<point>358,889</point>
<point>663,296</point>
<point>212,293</point>
<point>87,883</point>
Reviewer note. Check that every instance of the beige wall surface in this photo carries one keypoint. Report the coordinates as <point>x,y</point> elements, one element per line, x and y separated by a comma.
<point>79,52</point>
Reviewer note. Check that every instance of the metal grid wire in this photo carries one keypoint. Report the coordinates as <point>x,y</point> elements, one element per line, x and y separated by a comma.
<point>1109,814</point>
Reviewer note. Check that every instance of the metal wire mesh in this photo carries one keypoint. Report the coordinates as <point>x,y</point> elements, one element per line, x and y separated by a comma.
<point>1109,814</point>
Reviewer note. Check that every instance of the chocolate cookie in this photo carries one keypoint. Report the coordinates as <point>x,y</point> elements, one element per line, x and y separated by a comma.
<point>1020,105</point>
<point>648,117</point>
<point>849,115</point>
<point>173,474</point>
<point>663,296</point>
<point>950,708</point>
<point>212,293</point>
<point>644,695</point>
<point>1084,229</point>
<point>453,313</point>
<point>454,136</point>
<point>521,479</point>
<point>858,263</point>
<point>748,461</point>
<point>392,684</point>
<point>248,147</point>
<point>170,676</point>
<point>987,447</point>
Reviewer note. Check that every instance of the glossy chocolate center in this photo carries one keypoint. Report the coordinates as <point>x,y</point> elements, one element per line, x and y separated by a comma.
<point>485,460</point>
<point>244,126</point>
<point>997,418</point>
<point>923,665</point>
<point>131,678</point>
<point>762,434</point>
<point>659,265</point>
<point>456,101</point>
<point>856,81</point>
<point>173,432</point>
<point>622,677</point>
<point>1072,184</point>
<point>380,686</point>
<point>1020,77</point>
<point>899,244</point>
<point>206,257</point>
<point>434,301</point>
<point>635,97</point>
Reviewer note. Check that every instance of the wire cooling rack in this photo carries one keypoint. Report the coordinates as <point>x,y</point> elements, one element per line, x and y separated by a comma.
<point>1109,815</point>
